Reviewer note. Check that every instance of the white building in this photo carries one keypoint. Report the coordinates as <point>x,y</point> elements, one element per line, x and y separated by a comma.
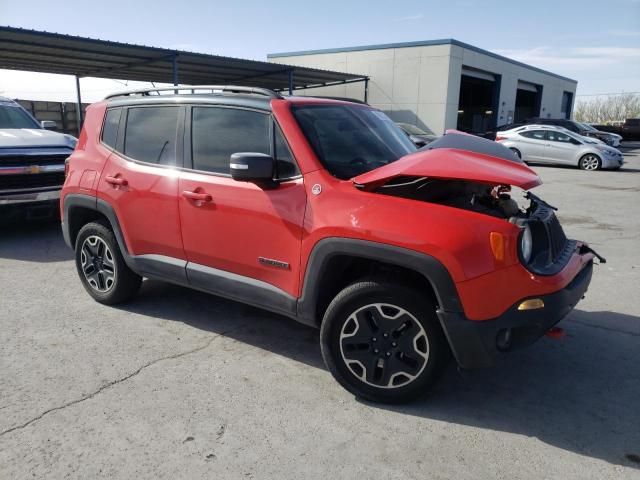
<point>442,84</point>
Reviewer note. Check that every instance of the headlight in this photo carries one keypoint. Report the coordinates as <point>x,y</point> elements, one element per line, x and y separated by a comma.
<point>526,244</point>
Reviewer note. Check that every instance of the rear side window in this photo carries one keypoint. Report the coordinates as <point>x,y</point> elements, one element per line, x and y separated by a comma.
<point>216,133</point>
<point>151,134</point>
<point>110,128</point>
<point>535,134</point>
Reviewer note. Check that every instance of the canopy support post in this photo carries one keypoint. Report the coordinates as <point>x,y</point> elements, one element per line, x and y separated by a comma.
<point>366,90</point>
<point>174,62</point>
<point>78,106</point>
<point>290,82</point>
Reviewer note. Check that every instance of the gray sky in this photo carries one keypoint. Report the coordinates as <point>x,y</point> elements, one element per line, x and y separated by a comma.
<point>596,42</point>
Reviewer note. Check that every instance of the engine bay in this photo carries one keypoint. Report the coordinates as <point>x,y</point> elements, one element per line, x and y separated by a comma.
<point>474,196</point>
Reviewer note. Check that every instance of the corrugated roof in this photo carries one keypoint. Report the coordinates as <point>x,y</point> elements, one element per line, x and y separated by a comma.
<point>38,51</point>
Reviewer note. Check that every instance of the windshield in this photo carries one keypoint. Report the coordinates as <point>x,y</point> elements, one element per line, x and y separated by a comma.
<point>350,140</point>
<point>412,129</point>
<point>14,117</point>
<point>588,127</point>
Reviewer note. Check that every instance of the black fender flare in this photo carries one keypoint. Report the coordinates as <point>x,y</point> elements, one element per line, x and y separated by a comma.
<point>78,200</point>
<point>429,267</point>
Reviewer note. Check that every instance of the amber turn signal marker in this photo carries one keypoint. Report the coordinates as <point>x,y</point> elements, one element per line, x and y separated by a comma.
<point>531,304</point>
<point>496,240</point>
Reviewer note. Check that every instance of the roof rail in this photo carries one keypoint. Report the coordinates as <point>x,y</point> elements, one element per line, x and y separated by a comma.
<point>191,89</point>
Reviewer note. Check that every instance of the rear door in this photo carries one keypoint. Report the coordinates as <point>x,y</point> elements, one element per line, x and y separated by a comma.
<point>140,181</point>
<point>239,228</point>
<point>560,148</point>
<point>532,144</point>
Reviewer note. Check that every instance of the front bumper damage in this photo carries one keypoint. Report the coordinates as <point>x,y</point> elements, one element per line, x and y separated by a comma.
<point>476,344</point>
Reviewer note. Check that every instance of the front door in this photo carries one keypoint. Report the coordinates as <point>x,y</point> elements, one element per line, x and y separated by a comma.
<point>532,145</point>
<point>237,233</point>
<point>560,148</point>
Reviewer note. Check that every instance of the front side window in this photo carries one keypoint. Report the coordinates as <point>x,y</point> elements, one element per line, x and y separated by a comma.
<point>535,134</point>
<point>216,133</point>
<point>558,137</point>
<point>351,139</point>
<point>150,134</point>
<point>14,117</point>
<point>110,128</point>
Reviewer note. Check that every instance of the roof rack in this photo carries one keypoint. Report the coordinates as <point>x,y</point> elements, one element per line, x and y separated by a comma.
<point>191,89</point>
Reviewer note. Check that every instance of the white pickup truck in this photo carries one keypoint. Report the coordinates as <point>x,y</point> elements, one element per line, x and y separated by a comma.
<point>31,164</point>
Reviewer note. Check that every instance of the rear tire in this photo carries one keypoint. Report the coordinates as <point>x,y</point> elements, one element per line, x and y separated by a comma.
<point>101,267</point>
<point>383,342</point>
<point>590,162</point>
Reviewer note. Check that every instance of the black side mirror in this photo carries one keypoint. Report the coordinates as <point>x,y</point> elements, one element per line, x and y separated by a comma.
<point>252,167</point>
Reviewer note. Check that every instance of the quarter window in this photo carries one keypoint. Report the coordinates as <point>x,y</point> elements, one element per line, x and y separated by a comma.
<point>216,133</point>
<point>151,134</point>
<point>110,128</point>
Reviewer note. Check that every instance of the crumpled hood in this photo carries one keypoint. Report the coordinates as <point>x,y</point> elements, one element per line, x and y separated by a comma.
<point>32,137</point>
<point>447,162</point>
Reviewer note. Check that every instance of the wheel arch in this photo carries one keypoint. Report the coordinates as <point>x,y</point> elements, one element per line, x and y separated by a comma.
<point>336,262</point>
<point>81,209</point>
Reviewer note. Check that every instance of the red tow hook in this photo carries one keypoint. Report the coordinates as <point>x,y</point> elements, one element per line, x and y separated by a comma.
<point>556,333</point>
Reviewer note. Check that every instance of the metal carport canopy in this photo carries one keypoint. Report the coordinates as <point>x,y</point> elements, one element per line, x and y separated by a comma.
<point>46,52</point>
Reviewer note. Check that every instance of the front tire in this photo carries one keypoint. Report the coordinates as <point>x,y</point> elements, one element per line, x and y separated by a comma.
<point>383,342</point>
<point>590,162</point>
<point>101,267</point>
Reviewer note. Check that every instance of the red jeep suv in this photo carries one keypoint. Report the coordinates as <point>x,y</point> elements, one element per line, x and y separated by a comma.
<point>324,211</point>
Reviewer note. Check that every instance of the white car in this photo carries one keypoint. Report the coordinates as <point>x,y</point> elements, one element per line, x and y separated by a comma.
<point>557,145</point>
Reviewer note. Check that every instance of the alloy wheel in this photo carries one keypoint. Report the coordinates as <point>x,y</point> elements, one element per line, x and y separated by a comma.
<point>590,162</point>
<point>384,345</point>
<point>98,264</point>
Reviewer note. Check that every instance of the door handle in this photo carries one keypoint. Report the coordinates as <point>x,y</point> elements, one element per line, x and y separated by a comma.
<point>119,181</point>
<point>198,196</point>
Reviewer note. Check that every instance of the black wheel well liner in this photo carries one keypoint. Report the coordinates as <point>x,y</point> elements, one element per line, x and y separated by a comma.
<point>336,262</point>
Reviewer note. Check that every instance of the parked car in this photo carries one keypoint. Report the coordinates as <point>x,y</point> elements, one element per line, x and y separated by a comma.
<point>491,134</point>
<point>575,127</point>
<point>628,130</point>
<point>419,137</point>
<point>31,164</point>
<point>614,137</point>
<point>323,211</point>
<point>557,145</point>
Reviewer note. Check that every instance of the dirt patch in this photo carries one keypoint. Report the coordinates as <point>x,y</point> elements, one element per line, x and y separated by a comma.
<point>616,189</point>
<point>578,220</point>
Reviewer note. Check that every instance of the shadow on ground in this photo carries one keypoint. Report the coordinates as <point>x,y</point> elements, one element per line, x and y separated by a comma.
<point>35,241</point>
<point>579,393</point>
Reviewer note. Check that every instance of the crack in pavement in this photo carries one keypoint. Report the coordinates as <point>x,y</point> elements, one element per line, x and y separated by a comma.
<point>118,381</point>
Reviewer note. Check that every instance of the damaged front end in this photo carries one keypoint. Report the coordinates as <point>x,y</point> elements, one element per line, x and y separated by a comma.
<point>469,173</point>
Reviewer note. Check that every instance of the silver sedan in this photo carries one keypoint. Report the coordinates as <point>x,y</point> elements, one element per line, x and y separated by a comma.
<point>555,145</point>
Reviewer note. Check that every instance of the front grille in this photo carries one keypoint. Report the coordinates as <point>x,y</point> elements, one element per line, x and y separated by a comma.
<point>25,160</point>
<point>31,181</point>
<point>551,248</point>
